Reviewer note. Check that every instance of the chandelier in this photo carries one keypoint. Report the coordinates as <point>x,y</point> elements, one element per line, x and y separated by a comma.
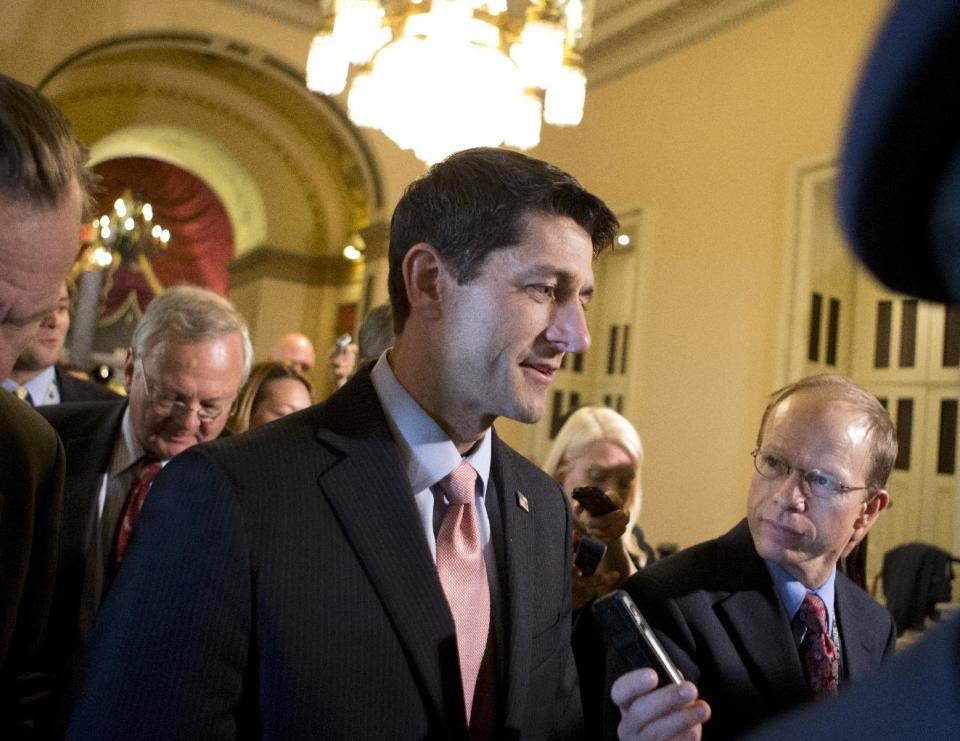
<point>124,235</point>
<point>438,76</point>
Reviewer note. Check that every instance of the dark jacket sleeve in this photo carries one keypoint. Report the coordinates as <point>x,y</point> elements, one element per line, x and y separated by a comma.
<point>31,499</point>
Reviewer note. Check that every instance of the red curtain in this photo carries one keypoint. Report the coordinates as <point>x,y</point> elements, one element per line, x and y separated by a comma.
<point>201,238</point>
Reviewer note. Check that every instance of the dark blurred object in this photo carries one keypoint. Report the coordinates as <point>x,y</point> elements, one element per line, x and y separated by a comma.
<point>916,576</point>
<point>375,334</point>
<point>900,169</point>
<point>666,549</point>
<point>855,564</point>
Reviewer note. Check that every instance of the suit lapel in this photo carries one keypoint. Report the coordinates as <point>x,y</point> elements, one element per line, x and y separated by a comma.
<point>858,658</point>
<point>757,620</point>
<point>87,460</point>
<point>369,493</point>
<point>513,643</point>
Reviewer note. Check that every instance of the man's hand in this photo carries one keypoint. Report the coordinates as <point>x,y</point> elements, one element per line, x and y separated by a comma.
<point>651,714</point>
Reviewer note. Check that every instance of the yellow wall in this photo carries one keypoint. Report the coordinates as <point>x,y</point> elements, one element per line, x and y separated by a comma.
<point>703,142</point>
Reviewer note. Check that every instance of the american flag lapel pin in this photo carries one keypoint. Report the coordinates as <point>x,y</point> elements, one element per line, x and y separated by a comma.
<point>522,502</point>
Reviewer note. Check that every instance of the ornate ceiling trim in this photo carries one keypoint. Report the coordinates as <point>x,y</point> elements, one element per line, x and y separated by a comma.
<point>349,154</point>
<point>627,34</point>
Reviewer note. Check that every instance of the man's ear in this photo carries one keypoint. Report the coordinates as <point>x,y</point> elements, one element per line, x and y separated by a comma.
<point>128,365</point>
<point>869,512</point>
<point>423,277</point>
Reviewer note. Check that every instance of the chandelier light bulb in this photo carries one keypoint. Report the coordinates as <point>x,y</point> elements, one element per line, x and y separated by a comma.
<point>101,258</point>
<point>327,66</point>
<point>359,29</point>
<point>147,212</point>
<point>524,122</point>
<point>565,97</point>
<point>120,207</point>
<point>539,53</point>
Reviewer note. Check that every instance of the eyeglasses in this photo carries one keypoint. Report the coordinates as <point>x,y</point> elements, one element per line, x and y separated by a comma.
<point>169,402</point>
<point>818,483</point>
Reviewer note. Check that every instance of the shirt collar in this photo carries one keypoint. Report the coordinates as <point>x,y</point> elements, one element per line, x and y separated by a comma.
<point>39,387</point>
<point>427,453</point>
<point>792,592</point>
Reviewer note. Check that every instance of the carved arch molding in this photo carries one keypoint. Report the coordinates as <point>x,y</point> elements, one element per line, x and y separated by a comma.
<point>291,170</point>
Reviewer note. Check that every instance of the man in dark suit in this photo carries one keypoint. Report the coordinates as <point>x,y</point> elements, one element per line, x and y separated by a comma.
<point>189,357</point>
<point>37,379</point>
<point>759,619</point>
<point>292,582</point>
<point>43,179</point>
<point>898,199</point>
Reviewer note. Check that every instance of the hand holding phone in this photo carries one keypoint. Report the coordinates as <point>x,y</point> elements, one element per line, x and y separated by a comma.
<point>633,638</point>
<point>594,500</point>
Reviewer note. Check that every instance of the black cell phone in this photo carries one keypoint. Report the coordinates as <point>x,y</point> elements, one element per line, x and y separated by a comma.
<point>594,500</point>
<point>589,553</point>
<point>633,638</point>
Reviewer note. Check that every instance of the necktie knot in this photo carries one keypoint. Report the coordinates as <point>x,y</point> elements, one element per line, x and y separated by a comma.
<point>813,614</point>
<point>459,486</point>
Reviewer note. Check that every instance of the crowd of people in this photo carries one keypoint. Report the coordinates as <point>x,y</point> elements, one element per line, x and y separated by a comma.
<point>213,555</point>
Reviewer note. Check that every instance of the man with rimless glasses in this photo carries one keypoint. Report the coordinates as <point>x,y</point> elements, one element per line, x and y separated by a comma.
<point>190,354</point>
<point>760,620</point>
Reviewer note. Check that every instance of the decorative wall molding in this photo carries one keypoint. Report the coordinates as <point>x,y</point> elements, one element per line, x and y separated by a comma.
<point>272,262</point>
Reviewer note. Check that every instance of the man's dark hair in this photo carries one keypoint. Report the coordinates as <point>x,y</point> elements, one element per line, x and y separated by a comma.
<point>39,156</point>
<point>478,201</point>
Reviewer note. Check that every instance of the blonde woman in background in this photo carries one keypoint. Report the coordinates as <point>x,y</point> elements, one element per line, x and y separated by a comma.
<point>599,447</point>
<point>273,390</point>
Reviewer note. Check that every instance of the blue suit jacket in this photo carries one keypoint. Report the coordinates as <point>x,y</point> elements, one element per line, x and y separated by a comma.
<point>280,586</point>
<point>720,618</point>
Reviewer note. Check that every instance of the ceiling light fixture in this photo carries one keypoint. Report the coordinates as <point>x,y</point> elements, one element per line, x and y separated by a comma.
<point>438,76</point>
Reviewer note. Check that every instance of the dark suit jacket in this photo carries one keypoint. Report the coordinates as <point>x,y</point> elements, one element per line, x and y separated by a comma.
<point>31,496</point>
<point>75,389</point>
<point>717,610</point>
<point>280,586</point>
<point>89,431</point>
<point>916,695</point>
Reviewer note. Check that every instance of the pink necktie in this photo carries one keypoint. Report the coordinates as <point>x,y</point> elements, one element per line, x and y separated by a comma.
<point>817,652</point>
<point>463,575</point>
<point>145,471</point>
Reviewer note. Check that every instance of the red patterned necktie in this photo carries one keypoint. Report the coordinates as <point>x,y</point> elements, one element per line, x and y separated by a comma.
<point>463,575</point>
<point>821,663</point>
<point>144,472</point>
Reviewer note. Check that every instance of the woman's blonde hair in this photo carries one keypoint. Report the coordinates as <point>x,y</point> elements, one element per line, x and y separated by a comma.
<point>587,425</point>
<point>253,391</point>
